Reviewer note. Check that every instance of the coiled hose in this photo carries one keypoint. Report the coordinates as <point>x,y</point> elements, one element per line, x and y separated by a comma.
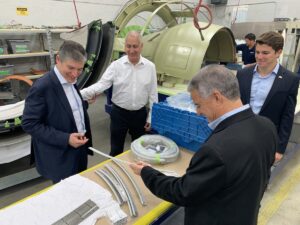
<point>155,149</point>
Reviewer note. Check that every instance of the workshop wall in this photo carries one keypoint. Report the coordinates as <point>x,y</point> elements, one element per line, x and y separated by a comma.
<point>255,11</point>
<point>62,12</point>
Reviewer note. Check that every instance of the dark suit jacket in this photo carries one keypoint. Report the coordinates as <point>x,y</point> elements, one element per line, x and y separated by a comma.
<point>48,118</point>
<point>280,103</point>
<point>227,177</point>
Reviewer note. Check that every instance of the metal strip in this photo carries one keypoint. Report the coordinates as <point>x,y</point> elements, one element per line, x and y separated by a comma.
<point>132,206</point>
<point>110,184</point>
<point>137,189</point>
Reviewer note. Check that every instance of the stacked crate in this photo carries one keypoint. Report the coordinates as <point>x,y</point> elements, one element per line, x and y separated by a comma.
<point>187,129</point>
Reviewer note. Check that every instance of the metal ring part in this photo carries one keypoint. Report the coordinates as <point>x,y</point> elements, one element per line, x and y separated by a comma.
<point>118,186</point>
<point>107,179</point>
<point>132,206</point>
<point>136,187</point>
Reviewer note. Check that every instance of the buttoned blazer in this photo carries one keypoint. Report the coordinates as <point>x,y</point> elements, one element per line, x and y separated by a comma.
<point>280,103</point>
<point>48,118</point>
<point>227,177</point>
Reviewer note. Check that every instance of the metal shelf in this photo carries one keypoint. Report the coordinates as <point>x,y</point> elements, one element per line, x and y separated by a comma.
<point>31,31</point>
<point>32,77</point>
<point>40,42</point>
<point>25,55</point>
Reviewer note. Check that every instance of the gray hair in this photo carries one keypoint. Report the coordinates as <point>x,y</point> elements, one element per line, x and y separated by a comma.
<point>72,50</point>
<point>136,34</point>
<point>215,77</point>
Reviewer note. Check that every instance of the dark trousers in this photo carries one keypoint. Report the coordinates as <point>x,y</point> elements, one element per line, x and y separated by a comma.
<point>122,121</point>
<point>79,164</point>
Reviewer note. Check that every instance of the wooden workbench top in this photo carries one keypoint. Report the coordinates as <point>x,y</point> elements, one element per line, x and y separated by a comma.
<point>155,206</point>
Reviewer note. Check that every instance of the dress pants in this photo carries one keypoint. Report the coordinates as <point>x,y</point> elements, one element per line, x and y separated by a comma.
<point>79,165</point>
<point>122,121</point>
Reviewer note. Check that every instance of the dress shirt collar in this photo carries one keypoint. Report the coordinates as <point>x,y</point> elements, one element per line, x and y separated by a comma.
<point>274,71</point>
<point>217,121</point>
<point>60,77</point>
<point>141,61</point>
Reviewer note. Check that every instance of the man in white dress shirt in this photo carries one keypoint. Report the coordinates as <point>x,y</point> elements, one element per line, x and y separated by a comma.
<point>134,85</point>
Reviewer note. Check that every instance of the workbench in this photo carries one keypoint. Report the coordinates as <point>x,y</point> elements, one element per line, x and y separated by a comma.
<point>155,207</point>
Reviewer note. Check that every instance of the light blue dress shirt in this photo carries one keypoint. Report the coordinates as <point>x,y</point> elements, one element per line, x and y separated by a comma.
<point>260,88</point>
<point>217,121</point>
<point>74,100</point>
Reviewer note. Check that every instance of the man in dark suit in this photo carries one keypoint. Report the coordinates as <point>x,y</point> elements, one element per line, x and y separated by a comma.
<point>56,117</point>
<point>270,89</point>
<point>227,177</point>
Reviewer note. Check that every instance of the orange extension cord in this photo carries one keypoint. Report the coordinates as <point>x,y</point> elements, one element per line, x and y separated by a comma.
<point>17,77</point>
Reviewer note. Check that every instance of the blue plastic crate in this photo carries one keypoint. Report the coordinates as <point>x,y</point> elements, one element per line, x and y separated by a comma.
<point>187,129</point>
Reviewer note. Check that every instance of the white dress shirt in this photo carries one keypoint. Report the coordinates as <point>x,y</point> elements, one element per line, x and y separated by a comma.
<point>133,85</point>
<point>74,100</point>
<point>212,125</point>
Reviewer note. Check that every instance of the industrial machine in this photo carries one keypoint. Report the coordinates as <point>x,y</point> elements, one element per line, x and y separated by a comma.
<point>178,49</point>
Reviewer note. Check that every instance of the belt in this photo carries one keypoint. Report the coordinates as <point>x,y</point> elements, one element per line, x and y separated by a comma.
<point>126,110</point>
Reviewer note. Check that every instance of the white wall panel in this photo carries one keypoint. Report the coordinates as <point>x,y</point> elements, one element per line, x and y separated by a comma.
<point>62,13</point>
<point>58,12</point>
<point>257,11</point>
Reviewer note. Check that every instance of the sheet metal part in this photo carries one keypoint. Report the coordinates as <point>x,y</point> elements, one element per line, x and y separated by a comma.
<point>79,214</point>
<point>111,185</point>
<point>118,186</point>
<point>131,204</point>
<point>136,187</point>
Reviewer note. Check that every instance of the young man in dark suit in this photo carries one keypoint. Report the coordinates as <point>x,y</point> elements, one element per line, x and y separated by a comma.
<point>56,117</point>
<point>227,177</point>
<point>270,89</point>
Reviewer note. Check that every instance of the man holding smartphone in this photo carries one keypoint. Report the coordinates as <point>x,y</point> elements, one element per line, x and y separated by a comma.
<point>56,117</point>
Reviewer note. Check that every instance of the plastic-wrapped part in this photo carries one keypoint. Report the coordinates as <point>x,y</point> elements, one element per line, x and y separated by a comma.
<point>182,101</point>
<point>155,149</point>
<point>187,129</point>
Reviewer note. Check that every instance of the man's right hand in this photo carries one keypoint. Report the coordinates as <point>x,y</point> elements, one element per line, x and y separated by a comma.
<point>137,167</point>
<point>92,100</point>
<point>77,139</point>
<point>278,157</point>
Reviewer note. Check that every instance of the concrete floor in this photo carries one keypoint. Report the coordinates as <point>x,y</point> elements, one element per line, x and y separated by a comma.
<point>280,205</point>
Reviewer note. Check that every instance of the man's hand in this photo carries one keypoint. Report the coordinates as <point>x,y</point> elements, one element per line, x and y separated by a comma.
<point>137,167</point>
<point>278,157</point>
<point>92,100</point>
<point>147,126</point>
<point>77,139</point>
